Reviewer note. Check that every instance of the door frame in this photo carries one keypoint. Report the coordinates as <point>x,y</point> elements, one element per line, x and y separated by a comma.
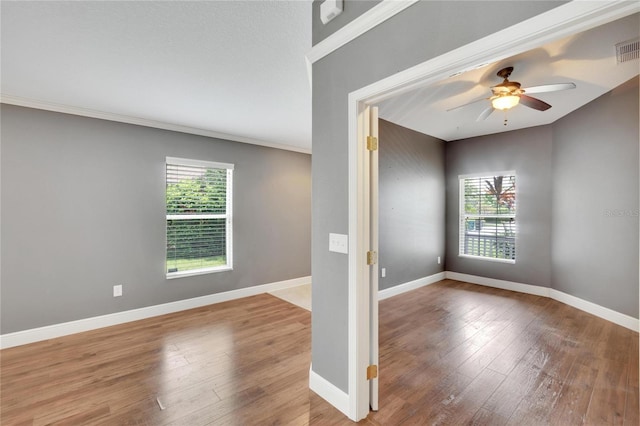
<point>570,18</point>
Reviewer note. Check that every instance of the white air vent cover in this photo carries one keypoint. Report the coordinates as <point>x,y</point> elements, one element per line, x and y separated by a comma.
<point>628,50</point>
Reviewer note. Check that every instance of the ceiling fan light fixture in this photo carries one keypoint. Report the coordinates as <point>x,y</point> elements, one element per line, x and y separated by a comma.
<point>505,102</point>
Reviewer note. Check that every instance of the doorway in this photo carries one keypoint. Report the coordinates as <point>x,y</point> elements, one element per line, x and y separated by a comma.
<point>565,20</point>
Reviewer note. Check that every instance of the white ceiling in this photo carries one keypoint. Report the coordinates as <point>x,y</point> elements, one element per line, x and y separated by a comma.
<point>237,69</point>
<point>587,59</point>
<point>228,67</point>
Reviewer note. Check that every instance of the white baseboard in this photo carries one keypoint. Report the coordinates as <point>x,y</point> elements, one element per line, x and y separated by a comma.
<point>329,392</point>
<point>597,310</point>
<point>505,285</point>
<point>584,305</point>
<point>411,285</point>
<point>63,329</point>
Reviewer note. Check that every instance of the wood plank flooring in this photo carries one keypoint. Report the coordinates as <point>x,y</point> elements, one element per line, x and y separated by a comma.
<point>451,353</point>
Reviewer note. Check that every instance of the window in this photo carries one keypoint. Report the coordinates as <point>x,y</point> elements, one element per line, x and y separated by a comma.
<point>488,216</point>
<point>198,217</point>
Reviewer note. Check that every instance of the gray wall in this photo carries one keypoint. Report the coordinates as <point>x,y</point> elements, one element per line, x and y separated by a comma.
<point>350,11</point>
<point>577,195</point>
<point>423,31</point>
<point>83,210</point>
<point>411,204</point>
<point>528,152</point>
<point>595,201</point>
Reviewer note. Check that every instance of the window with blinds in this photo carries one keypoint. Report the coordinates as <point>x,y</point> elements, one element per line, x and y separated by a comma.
<point>488,216</point>
<point>199,213</point>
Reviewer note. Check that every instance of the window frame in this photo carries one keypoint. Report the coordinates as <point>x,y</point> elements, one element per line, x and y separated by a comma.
<point>228,215</point>
<point>463,216</point>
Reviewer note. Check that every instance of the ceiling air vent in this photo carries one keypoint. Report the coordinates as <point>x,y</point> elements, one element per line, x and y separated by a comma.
<point>628,50</point>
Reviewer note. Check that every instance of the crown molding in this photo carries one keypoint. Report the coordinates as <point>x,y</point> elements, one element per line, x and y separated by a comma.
<point>102,115</point>
<point>363,23</point>
<point>570,18</point>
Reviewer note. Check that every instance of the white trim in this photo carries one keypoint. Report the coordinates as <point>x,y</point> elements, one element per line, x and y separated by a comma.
<point>564,20</point>
<point>463,216</point>
<point>584,305</point>
<point>363,23</point>
<point>309,66</point>
<point>175,161</point>
<point>355,237</point>
<point>374,270</point>
<point>328,391</point>
<point>505,285</point>
<point>490,216</point>
<point>57,330</point>
<point>358,302</point>
<point>195,216</point>
<point>487,174</point>
<point>91,113</point>
<point>411,285</point>
<point>199,271</point>
<point>228,215</point>
<point>229,237</point>
<point>488,259</point>
<point>597,310</point>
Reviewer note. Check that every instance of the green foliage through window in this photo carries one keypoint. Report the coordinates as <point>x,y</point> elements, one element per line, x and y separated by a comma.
<point>198,200</point>
<point>488,216</point>
<point>192,190</point>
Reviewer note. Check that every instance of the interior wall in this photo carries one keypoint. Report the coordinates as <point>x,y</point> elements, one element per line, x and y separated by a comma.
<point>83,209</point>
<point>528,152</point>
<point>422,31</point>
<point>577,197</point>
<point>411,204</point>
<point>595,201</point>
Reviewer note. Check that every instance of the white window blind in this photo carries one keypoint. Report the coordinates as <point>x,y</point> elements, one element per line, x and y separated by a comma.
<point>488,216</point>
<point>199,216</point>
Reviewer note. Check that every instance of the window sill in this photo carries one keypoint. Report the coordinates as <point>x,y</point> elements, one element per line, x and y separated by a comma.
<point>488,259</point>
<point>191,273</point>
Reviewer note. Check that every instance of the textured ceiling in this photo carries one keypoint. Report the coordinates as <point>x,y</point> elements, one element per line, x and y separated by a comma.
<point>587,59</point>
<point>237,68</point>
<point>231,67</point>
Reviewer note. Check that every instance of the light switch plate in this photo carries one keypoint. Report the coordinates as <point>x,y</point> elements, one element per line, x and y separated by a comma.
<point>339,243</point>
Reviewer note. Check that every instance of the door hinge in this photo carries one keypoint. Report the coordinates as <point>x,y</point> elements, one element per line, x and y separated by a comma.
<point>372,143</point>
<point>372,258</point>
<point>372,372</point>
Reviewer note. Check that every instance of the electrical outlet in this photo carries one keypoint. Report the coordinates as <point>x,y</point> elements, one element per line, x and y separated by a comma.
<point>438,260</point>
<point>383,272</point>
<point>117,290</point>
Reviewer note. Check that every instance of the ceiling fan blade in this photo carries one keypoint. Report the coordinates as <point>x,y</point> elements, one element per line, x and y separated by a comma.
<point>534,103</point>
<point>486,113</point>
<point>549,88</point>
<point>468,103</point>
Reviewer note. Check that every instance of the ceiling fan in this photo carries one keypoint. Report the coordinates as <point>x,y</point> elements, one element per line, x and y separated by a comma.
<point>508,94</point>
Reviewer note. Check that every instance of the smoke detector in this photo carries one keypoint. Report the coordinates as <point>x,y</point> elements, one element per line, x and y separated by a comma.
<point>329,9</point>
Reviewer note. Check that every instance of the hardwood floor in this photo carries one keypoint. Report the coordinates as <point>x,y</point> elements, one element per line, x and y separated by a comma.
<point>451,353</point>
<point>455,353</point>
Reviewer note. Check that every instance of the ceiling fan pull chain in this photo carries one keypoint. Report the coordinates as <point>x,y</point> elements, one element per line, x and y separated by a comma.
<point>505,117</point>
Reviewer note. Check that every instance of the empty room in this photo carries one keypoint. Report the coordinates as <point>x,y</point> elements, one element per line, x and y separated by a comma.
<point>319,212</point>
